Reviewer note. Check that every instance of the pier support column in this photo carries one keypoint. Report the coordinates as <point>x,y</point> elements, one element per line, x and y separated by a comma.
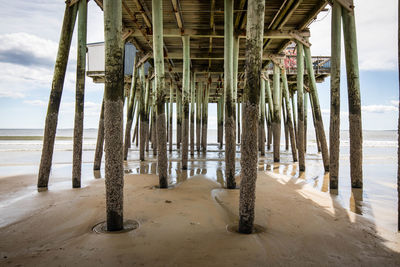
<point>236,47</point>
<point>142,114</point>
<point>398,122</point>
<point>185,99</point>
<point>353,87</point>
<point>80,95</point>
<point>204,119</point>
<point>300,106</point>
<point>261,138</point>
<point>171,111</point>
<point>239,131</point>
<point>270,112</point>
<point>199,93</point>
<point>98,154</point>
<point>276,119</point>
<point>130,111</point>
<point>55,95</point>
<point>230,108</point>
<point>158,42</point>
<point>294,115</point>
<point>249,158</point>
<point>178,118</point>
<point>113,113</point>
<point>285,91</point>
<point>305,99</point>
<point>220,121</point>
<point>317,110</point>
<point>192,96</point>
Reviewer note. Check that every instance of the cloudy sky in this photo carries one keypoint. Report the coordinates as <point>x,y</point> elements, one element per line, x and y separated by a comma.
<point>30,30</point>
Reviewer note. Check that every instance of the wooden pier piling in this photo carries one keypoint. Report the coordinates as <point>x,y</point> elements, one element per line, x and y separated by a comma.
<point>178,117</point>
<point>192,97</point>
<point>130,111</point>
<point>98,154</point>
<point>55,95</point>
<point>204,119</point>
<point>300,106</point>
<point>261,132</point>
<point>158,52</point>
<point>276,119</point>
<point>230,106</point>
<point>199,93</point>
<point>285,93</point>
<point>317,110</point>
<point>185,99</point>
<point>353,88</point>
<point>80,95</point>
<point>171,112</point>
<point>113,113</point>
<point>249,155</point>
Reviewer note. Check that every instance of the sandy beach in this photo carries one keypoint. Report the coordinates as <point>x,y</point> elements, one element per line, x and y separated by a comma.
<point>186,225</point>
<point>191,224</point>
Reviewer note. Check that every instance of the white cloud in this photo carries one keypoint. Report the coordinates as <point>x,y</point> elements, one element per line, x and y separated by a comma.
<point>27,49</point>
<point>378,108</point>
<point>37,102</point>
<point>376,25</point>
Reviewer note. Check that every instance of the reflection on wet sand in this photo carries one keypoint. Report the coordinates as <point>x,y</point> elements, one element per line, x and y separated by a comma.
<point>212,165</point>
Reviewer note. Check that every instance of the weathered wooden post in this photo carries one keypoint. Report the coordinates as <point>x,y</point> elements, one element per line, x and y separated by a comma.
<point>353,87</point>
<point>113,113</point>
<point>317,110</point>
<point>261,138</point>
<point>98,154</point>
<point>398,123</point>
<point>300,106</point>
<point>131,109</point>
<point>154,126</point>
<point>315,128</point>
<point>178,117</point>
<point>167,117</point>
<point>199,93</point>
<point>158,53</point>
<point>270,111</point>
<point>192,93</point>
<point>230,107</point>
<point>236,46</point>
<point>276,119</point>
<point>294,114</point>
<point>185,99</point>
<point>171,111</point>
<point>239,131</point>
<point>204,119</point>
<point>80,95</point>
<point>55,95</point>
<point>142,113</point>
<point>249,159</point>
<point>305,99</point>
<point>284,116</point>
<point>285,91</point>
<point>220,121</point>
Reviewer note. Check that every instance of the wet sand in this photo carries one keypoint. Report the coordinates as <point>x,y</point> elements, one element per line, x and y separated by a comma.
<point>185,225</point>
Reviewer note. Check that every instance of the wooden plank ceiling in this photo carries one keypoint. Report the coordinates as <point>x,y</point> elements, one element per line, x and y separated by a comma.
<point>203,20</point>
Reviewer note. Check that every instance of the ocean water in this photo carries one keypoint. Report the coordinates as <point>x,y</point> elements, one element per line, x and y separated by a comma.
<point>20,151</point>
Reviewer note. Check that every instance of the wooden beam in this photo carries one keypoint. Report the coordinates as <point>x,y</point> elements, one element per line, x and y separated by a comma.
<point>178,15</point>
<point>144,59</point>
<point>211,33</point>
<point>142,11</point>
